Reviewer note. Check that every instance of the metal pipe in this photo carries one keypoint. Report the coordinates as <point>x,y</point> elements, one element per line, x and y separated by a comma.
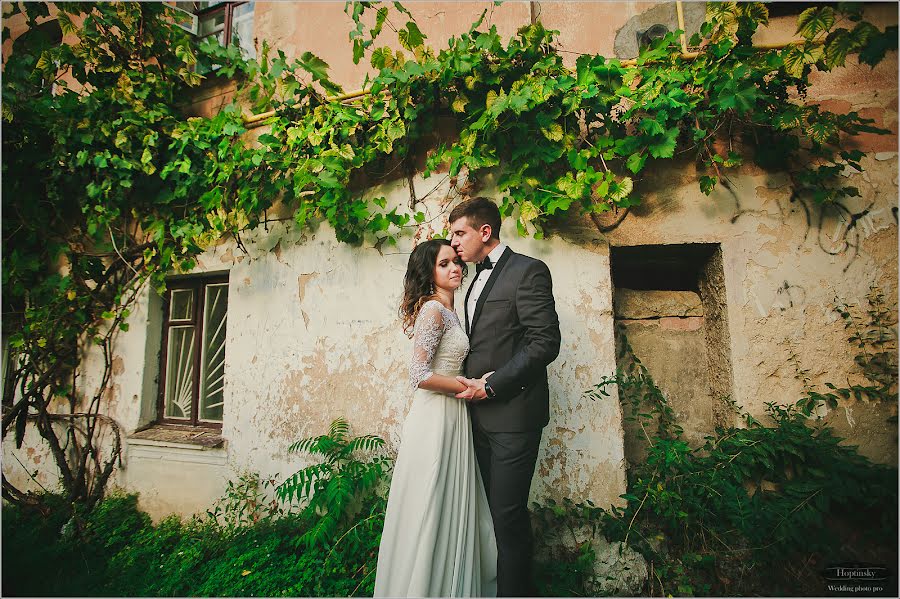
<point>680,10</point>
<point>254,120</point>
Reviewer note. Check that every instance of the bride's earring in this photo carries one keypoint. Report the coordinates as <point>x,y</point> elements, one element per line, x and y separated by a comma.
<point>432,289</point>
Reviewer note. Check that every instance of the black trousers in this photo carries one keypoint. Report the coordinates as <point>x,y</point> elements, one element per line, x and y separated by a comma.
<point>507,462</point>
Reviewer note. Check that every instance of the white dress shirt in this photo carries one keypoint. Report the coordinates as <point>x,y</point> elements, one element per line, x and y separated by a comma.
<point>480,280</point>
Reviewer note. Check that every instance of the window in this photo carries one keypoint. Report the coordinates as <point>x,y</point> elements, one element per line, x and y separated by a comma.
<point>192,373</point>
<point>231,23</point>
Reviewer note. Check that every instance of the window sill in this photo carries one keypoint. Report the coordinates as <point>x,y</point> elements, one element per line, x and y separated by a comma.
<point>185,437</point>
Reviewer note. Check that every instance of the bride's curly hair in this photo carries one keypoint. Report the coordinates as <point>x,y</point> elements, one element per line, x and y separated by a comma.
<point>418,285</point>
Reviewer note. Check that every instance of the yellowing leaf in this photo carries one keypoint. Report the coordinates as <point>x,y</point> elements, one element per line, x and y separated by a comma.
<point>790,117</point>
<point>382,58</point>
<point>490,99</point>
<point>346,151</point>
<point>620,190</point>
<point>814,21</point>
<point>467,140</point>
<point>459,103</point>
<point>396,129</point>
<point>822,131</point>
<point>756,11</point>
<point>723,14</point>
<point>836,50</point>
<point>528,212</point>
<point>245,572</point>
<point>554,132</point>
<point>315,137</point>
<point>797,57</point>
<point>44,63</point>
<point>65,23</point>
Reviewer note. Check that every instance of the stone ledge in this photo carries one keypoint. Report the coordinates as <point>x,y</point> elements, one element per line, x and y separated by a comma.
<point>670,323</point>
<point>638,304</point>
<point>187,437</point>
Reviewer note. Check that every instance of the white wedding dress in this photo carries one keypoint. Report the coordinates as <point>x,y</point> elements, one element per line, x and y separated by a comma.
<point>438,538</point>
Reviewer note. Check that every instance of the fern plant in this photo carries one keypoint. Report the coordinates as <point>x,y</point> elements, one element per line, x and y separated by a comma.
<point>335,490</point>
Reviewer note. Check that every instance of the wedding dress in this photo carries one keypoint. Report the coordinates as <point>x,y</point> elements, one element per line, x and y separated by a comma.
<point>438,538</point>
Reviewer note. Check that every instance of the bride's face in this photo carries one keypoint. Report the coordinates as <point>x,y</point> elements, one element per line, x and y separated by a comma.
<point>447,269</point>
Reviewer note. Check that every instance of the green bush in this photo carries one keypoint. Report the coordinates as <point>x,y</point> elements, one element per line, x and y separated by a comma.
<point>36,561</point>
<point>245,546</point>
<point>757,509</point>
<point>119,552</point>
<point>333,491</point>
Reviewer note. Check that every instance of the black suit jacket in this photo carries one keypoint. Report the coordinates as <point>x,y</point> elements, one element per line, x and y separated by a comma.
<point>514,331</point>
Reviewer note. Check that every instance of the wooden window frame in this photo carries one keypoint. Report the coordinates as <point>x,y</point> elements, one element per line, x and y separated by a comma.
<point>198,284</point>
<point>228,9</point>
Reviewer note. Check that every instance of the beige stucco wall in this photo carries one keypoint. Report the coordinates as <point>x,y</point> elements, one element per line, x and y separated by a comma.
<point>781,285</point>
<point>312,329</point>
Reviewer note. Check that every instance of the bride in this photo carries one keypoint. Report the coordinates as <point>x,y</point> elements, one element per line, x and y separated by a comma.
<point>438,538</point>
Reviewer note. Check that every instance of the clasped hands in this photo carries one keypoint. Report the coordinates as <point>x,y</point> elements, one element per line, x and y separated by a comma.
<point>474,388</point>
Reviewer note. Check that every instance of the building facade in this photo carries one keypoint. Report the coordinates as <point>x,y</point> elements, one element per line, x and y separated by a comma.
<point>727,299</point>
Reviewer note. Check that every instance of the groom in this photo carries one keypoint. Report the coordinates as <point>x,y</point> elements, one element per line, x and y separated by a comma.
<point>513,334</point>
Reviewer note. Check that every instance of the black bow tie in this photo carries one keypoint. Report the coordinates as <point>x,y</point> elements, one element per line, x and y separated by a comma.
<point>483,265</point>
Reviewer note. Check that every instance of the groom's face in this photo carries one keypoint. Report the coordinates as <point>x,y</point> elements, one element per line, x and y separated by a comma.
<point>470,243</point>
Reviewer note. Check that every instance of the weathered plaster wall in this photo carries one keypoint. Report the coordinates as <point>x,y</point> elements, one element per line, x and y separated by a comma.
<point>322,28</point>
<point>313,334</point>
<point>781,285</point>
<point>585,27</point>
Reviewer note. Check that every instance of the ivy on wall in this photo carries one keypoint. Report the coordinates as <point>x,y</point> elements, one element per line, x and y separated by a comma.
<point>108,186</point>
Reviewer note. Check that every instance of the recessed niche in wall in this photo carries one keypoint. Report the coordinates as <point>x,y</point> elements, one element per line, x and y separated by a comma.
<point>675,267</point>
<point>669,301</point>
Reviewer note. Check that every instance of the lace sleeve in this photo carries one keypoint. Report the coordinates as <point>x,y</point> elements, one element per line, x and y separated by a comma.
<point>426,336</point>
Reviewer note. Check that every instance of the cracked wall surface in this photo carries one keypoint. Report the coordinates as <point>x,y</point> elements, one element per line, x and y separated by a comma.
<point>782,275</point>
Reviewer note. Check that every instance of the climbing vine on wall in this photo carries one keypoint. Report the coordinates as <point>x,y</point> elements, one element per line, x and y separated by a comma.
<point>108,186</point>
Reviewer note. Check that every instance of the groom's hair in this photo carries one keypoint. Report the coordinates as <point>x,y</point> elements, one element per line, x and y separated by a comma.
<point>480,211</point>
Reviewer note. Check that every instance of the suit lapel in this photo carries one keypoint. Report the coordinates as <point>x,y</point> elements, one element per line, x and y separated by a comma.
<point>466,304</point>
<point>495,272</point>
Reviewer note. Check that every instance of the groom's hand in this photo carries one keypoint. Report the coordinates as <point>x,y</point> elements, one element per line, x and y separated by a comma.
<point>474,391</point>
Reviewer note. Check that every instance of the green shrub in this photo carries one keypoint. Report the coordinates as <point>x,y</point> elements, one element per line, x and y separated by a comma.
<point>32,541</point>
<point>245,546</point>
<point>736,513</point>
<point>120,553</point>
<point>332,492</point>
